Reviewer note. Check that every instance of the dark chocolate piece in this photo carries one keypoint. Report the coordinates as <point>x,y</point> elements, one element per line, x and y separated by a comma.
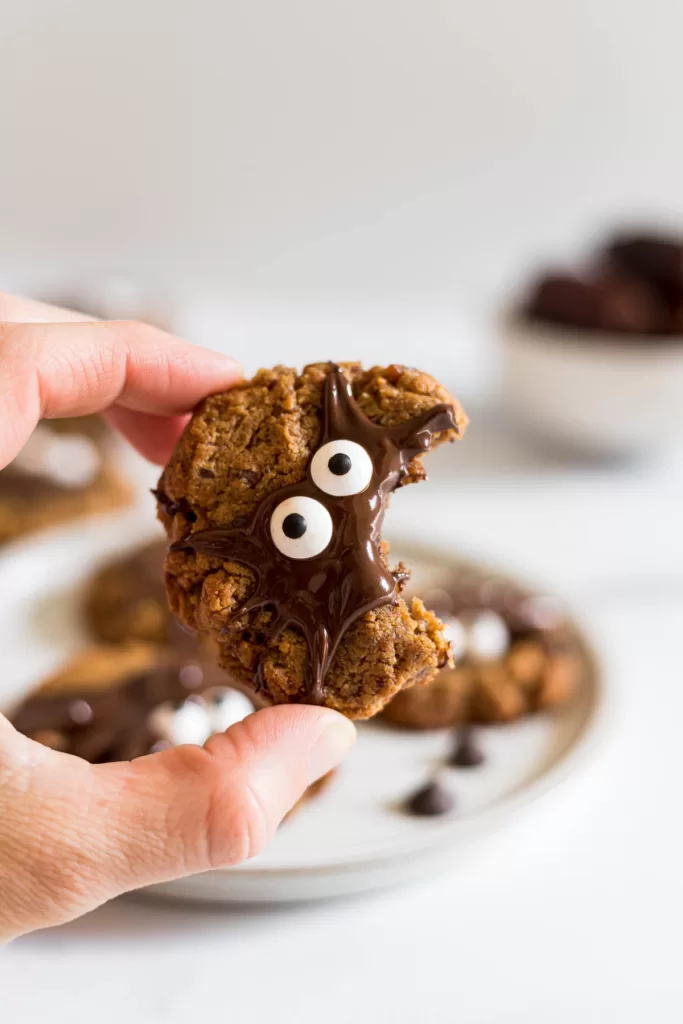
<point>655,258</point>
<point>466,754</point>
<point>609,301</point>
<point>429,801</point>
<point>322,596</point>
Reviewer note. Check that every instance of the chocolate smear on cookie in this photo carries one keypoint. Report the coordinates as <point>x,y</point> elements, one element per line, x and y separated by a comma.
<point>317,559</point>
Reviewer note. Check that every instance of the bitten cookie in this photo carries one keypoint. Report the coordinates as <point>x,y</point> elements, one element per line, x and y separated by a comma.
<point>66,470</point>
<point>514,654</point>
<point>274,501</point>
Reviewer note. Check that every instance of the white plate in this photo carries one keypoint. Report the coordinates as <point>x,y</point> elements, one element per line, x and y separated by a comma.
<point>354,837</point>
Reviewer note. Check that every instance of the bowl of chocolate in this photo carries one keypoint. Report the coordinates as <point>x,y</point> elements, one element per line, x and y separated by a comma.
<point>593,357</point>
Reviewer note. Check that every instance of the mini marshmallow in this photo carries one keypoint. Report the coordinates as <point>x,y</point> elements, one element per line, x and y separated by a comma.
<point>227,708</point>
<point>189,723</point>
<point>196,719</point>
<point>487,636</point>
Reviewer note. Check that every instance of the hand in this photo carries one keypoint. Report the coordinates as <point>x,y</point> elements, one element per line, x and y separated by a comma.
<point>73,835</point>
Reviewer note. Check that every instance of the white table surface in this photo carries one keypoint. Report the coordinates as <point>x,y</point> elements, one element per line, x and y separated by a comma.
<point>572,912</point>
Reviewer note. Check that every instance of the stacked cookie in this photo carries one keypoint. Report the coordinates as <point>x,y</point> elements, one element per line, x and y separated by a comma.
<point>277,572</point>
<point>146,683</point>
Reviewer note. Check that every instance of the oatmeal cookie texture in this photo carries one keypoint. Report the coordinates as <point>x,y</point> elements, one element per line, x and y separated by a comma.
<point>273,503</point>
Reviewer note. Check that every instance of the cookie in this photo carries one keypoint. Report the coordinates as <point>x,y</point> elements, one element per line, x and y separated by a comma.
<point>116,703</point>
<point>66,470</point>
<point>274,501</point>
<point>126,599</point>
<point>100,705</point>
<point>514,655</point>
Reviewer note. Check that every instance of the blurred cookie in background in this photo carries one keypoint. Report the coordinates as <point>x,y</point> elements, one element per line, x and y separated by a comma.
<point>116,703</point>
<point>126,600</point>
<point>67,469</point>
<point>513,650</point>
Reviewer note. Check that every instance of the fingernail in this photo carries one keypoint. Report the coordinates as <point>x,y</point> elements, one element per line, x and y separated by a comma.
<point>335,740</point>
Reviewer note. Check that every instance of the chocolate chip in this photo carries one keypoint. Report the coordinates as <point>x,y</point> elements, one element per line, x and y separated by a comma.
<point>430,801</point>
<point>248,477</point>
<point>466,753</point>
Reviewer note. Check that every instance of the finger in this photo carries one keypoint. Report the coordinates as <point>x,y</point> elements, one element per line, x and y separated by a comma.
<point>155,437</point>
<point>74,369</point>
<point>92,833</point>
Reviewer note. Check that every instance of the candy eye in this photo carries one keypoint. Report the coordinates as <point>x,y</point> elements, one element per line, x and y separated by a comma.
<point>301,527</point>
<point>341,468</point>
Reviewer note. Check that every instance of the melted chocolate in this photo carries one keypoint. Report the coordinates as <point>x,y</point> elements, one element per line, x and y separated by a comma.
<point>322,596</point>
<point>111,724</point>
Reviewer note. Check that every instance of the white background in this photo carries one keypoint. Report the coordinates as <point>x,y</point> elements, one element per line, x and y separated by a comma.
<point>374,175</point>
<point>362,149</point>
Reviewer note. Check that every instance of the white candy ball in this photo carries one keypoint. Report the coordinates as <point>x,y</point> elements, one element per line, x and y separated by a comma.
<point>341,468</point>
<point>487,636</point>
<point>301,527</point>
<point>190,723</point>
<point>227,708</point>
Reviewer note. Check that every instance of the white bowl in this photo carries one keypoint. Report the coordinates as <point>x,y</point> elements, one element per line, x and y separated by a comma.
<point>591,391</point>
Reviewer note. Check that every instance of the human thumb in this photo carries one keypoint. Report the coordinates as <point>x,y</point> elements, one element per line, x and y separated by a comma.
<point>75,835</point>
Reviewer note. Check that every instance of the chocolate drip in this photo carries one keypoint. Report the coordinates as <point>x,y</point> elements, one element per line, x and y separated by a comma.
<point>322,597</point>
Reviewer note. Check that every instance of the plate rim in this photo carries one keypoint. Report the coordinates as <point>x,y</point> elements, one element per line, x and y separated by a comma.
<point>588,739</point>
<point>433,841</point>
